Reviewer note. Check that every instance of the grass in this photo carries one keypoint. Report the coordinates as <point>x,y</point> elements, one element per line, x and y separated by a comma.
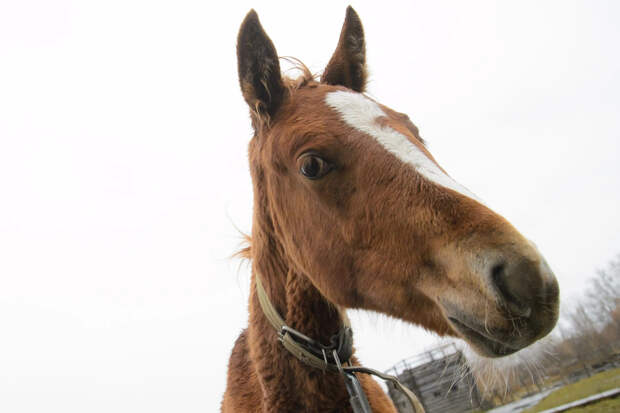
<point>604,406</point>
<point>583,388</point>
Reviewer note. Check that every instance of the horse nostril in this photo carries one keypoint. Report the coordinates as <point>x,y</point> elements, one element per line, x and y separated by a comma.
<point>496,274</point>
<point>513,289</point>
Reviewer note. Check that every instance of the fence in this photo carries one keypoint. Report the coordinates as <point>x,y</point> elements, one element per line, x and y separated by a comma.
<point>441,380</point>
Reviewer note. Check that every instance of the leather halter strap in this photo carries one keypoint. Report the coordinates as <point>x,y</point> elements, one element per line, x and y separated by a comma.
<point>304,348</point>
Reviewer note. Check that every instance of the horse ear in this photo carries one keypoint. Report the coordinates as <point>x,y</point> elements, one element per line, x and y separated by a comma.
<point>259,68</point>
<point>347,67</point>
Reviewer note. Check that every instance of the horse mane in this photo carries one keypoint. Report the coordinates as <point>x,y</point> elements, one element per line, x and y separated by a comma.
<point>304,79</point>
<point>245,253</point>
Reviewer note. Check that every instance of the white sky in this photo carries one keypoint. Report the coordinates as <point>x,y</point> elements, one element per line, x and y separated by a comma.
<point>123,172</point>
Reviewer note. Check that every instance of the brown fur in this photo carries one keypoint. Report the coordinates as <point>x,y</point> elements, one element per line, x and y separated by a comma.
<point>371,234</point>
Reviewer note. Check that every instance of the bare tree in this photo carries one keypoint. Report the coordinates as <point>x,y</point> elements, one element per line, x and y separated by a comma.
<point>604,292</point>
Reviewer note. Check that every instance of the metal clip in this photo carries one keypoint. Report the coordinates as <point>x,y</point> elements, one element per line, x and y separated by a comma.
<point>357,397</point>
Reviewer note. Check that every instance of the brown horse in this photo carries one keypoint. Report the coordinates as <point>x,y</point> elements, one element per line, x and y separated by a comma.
<point>352,211</point>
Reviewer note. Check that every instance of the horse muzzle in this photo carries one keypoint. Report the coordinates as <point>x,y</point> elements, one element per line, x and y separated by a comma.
<point>517,303</point>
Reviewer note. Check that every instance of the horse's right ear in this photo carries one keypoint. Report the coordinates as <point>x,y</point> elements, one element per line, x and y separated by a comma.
<point>259,68</point>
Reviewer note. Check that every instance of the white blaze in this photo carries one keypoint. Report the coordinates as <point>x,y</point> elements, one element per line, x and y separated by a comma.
<point>361,113</point>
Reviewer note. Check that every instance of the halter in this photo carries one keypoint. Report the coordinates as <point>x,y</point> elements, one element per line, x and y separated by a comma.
<point>334,357</point>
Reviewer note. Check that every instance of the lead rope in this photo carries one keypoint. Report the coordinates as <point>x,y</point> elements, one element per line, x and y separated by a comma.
<point>292,341</point>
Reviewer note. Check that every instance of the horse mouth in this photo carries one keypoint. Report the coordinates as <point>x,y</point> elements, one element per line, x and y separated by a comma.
<point>481,340</point>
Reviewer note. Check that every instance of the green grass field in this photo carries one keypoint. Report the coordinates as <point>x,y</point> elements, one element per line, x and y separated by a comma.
<point>586,387</point>
<point>604,406</point>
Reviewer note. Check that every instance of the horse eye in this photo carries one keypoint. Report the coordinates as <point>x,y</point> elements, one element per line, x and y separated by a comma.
<point>313,166</point>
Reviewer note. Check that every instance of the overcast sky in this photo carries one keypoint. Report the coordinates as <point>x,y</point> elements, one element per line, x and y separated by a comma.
<point>123,172</point>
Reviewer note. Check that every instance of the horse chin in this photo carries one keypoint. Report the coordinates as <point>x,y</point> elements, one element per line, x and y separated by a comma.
<point>481,341</point>
<point>485,336</point>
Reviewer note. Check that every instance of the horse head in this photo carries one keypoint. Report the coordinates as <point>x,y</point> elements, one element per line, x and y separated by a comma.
<point>361,209</point>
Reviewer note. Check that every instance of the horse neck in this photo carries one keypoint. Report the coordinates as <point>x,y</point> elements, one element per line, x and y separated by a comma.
<point>294,296</point>
<point>287,382</point>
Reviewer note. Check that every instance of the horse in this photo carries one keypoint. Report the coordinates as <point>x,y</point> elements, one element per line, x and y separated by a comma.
<point>351,211</point>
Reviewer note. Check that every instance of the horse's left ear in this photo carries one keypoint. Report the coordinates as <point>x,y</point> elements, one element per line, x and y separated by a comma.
<point>347,67</point>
